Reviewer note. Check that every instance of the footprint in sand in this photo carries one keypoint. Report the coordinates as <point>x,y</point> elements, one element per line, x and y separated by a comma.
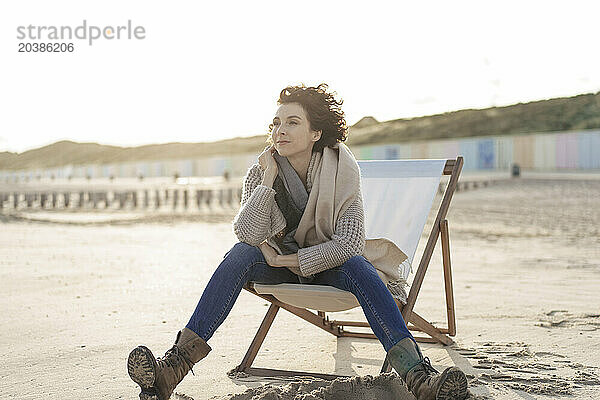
<point>564,319</point>
<point>515,366</point>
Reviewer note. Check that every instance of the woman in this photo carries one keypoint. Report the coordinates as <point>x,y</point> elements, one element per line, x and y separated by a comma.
<point>301,220</point>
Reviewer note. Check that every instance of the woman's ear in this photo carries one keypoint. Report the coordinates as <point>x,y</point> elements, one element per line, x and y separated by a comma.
<point>317,135</point>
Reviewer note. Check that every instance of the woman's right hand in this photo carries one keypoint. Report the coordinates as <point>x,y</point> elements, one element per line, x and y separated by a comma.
<point>266,160</point>
<point>269,254</point>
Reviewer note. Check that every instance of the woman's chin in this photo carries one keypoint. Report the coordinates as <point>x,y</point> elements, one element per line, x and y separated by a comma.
<point>283,151</point>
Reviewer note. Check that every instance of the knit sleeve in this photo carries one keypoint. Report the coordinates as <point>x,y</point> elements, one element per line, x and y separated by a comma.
<point>253,221</point>
<point>347,241</point>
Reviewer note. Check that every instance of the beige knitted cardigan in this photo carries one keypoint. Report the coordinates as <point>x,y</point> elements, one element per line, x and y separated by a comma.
<point>331,229</point>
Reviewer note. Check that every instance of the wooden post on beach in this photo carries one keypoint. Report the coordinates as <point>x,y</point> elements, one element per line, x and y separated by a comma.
<point>222,197</point>
<point>185,199</point>
<point>28,199</point>
<point>134,198</point>
<point>54,194</point>
<point>66,198</point>
<point>157,199</point>
<point>80,200</point>
<point>121,199</point>
<point>209,195</point>
<point>175,198</point>
<point>204,198</point>
<point>230,197</point>
<point>16,200</point>
<point>146,199</point>
<point>198,198</point>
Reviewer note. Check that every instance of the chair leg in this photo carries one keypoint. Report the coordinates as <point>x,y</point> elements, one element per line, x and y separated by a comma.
<point>258,338</point>
<point>448,277</point>
<point>429,329</point>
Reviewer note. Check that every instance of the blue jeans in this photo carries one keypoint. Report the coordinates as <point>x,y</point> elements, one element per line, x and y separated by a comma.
<point>244,263</point>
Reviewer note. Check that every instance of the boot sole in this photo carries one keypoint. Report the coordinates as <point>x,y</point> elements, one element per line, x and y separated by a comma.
<point>148,396</point>
<point>141,367</point>
<point>454,385</point>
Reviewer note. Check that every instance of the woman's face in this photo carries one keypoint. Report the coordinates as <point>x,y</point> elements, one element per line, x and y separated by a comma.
<point>291,132</point>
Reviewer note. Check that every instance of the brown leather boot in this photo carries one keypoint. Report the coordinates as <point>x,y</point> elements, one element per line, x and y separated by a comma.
<point>424,381</point>
<point>159,377</point>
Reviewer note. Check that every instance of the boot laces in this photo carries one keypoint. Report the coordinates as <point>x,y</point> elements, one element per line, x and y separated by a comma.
<point>172,357</point>
<point>428,367</point>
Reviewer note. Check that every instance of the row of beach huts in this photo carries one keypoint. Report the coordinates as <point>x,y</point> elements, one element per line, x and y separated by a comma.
<point>559,151</point>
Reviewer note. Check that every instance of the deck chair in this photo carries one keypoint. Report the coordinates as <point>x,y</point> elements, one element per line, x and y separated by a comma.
<point>409,188</point>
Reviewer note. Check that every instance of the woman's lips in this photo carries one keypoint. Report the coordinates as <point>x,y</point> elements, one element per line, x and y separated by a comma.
<point>282,143</point>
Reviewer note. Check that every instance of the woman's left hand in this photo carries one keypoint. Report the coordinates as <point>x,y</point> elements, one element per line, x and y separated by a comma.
<point>270,254</point>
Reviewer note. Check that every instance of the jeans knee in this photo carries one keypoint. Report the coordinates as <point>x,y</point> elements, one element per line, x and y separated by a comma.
<point>244,250</point>
<point>357,260</point>
<point>357,267</point>
<point>240,257</point>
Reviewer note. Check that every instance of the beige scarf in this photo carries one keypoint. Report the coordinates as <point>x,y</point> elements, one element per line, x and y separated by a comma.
<point>335,185</point>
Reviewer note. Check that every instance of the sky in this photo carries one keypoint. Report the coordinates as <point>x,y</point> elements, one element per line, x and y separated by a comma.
<point>211,71</point>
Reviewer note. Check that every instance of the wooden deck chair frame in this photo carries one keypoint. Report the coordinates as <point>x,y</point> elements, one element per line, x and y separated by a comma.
<point>414,321</point>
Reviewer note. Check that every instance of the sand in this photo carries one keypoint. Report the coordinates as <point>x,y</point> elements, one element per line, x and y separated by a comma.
<point>77,297</point>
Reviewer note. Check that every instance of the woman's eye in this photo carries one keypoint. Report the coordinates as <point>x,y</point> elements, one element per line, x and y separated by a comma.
<point>293,123</point>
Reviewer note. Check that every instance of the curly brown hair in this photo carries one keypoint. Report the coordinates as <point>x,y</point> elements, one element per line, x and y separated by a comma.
<point>323,111</point>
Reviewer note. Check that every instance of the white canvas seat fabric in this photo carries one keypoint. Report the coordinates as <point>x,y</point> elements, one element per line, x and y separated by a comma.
<point>397,198</point>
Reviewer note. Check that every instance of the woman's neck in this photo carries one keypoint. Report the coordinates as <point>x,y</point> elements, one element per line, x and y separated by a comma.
<point>300,164</point>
